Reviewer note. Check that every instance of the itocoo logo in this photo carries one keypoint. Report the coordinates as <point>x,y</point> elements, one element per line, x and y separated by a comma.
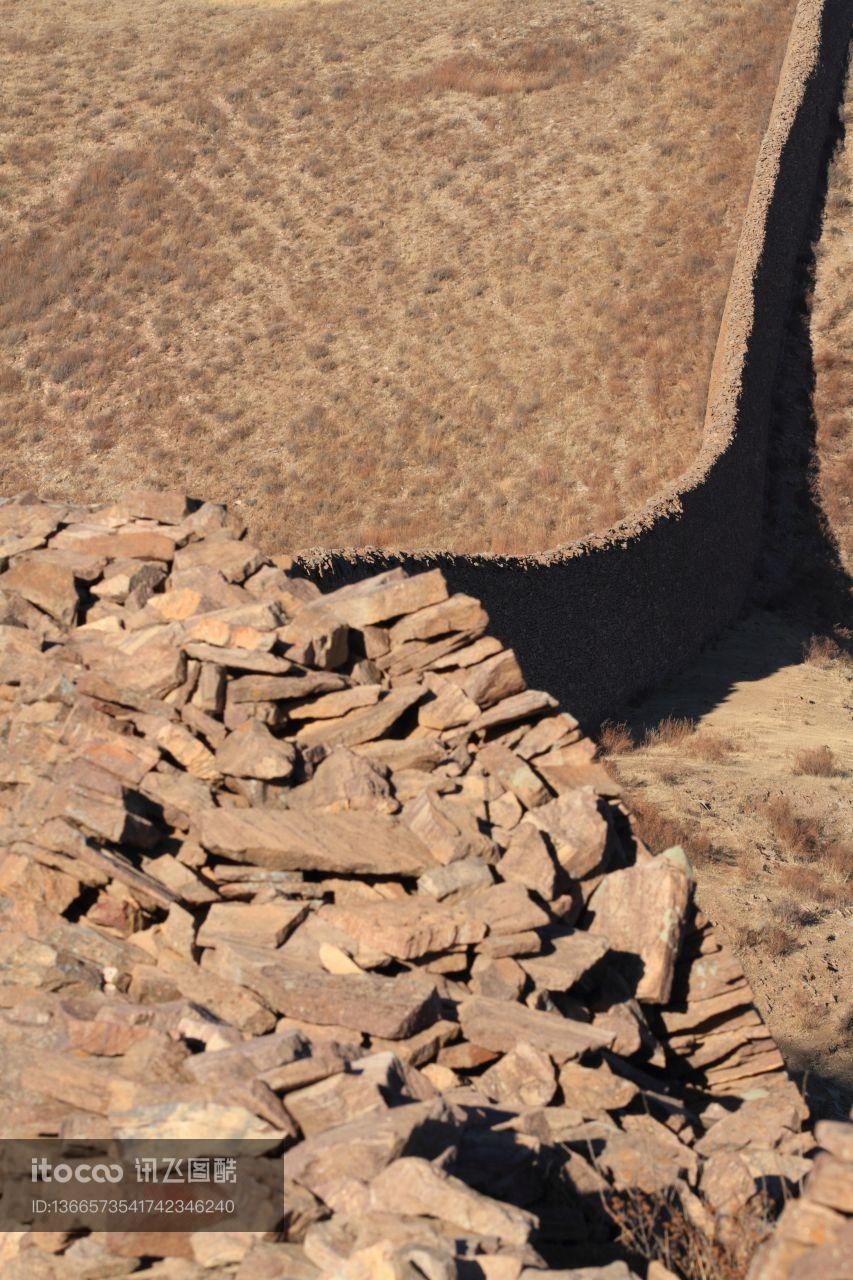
<point>43,1171</point>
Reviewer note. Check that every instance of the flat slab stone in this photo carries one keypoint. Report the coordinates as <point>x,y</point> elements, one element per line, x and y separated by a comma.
<point>500,1026</point>
<point>386,596</point>
<point>569,958</point>
<point>406,928</point>
<point>47,585</point>
<point>393,1008</point>
<point>284,840</point>
<point>642,910</point>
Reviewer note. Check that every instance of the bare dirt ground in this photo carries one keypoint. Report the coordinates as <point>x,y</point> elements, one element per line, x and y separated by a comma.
<point>725,769</point>
<point>465,261</point>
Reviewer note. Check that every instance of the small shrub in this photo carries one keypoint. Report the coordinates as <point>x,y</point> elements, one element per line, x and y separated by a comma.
<point>657,1227</point>
<point>10,379</point>
<point>671,777</point>
<point>792,915</point>
<point>817,762</point>
<point>777,940</point>
<point>68,364</point>
<point>805,881</point>
<point>657,829</point>
<point>836,860</point>
<point>660,831</point>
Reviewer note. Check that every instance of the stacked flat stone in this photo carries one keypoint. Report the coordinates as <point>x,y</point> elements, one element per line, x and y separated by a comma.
<point>320,867</point>
<point>814,1235</point>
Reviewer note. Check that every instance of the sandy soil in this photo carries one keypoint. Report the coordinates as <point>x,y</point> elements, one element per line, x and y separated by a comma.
<point>782,894</point>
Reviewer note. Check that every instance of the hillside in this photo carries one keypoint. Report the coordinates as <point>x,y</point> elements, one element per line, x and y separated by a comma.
<point>452,259</point>
<point>832,337</point>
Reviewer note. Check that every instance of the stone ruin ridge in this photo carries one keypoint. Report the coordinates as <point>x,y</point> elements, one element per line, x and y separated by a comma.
<point>321,869</point>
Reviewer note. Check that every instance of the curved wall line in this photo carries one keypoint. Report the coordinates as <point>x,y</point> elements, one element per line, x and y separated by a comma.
<point>603,619</point>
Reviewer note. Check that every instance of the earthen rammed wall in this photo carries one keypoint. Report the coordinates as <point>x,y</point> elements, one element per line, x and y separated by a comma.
<point>599,621</point>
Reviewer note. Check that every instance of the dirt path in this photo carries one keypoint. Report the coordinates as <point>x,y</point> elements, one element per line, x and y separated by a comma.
<point>767,839</point>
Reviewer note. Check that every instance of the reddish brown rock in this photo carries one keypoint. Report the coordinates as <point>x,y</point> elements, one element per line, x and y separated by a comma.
<point>565,961</point>
<point>663,886</point>
<point>354,843</point>
<point>499,1026</point>
<point>416,1187</point>
<point>524,1077</point>
<point>576,829</point>
<point>407,928</point>
<point>363,725</point>
<point>47,585</point>
<point>251,751</point>
<point>498,678</point>
<point>389,595</point>
<point>592,1090</point>
<point>264,924</point>
<point>393,1008</point>
<point>529,861</point>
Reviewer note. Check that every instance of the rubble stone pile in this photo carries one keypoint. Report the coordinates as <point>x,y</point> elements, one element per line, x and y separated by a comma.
<point>813,1239</point>
<point>321,869</point>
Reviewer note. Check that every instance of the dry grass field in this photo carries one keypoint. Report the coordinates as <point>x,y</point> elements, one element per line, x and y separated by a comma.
<point>832,341</point>
<point>467,261</point>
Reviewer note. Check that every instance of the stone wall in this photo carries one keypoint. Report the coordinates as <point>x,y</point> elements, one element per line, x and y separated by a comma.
<point>601,620</point>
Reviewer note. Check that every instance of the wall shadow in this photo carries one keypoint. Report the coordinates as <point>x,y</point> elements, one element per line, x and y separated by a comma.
<point>600,622</point>
<point>799,569</point>
<point>800,586</point>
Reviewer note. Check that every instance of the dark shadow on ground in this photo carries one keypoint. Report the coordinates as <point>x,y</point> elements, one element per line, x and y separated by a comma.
<point>757,645</point>
<point>799,568</point>
<point>800,587</point>
<point>828,1098</point>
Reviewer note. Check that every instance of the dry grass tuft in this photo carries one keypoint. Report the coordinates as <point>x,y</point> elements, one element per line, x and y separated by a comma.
<point>836,861</point>
<point>530,65</point>
<point>660,830</point>
<point>798,834</point>
<point>615,738</point>
<point>670,732</point>
<point>818,762</point>
<point>806,881</point>
<point>657,829</point>
<point>810,838</point>
<point>776,937</point>
<point>712,747</point>
<point>776,940</point>
<point>822,651</point>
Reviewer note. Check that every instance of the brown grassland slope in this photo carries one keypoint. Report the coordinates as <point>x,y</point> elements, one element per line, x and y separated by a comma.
<point>465,262</point>
<point>832,339</point>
